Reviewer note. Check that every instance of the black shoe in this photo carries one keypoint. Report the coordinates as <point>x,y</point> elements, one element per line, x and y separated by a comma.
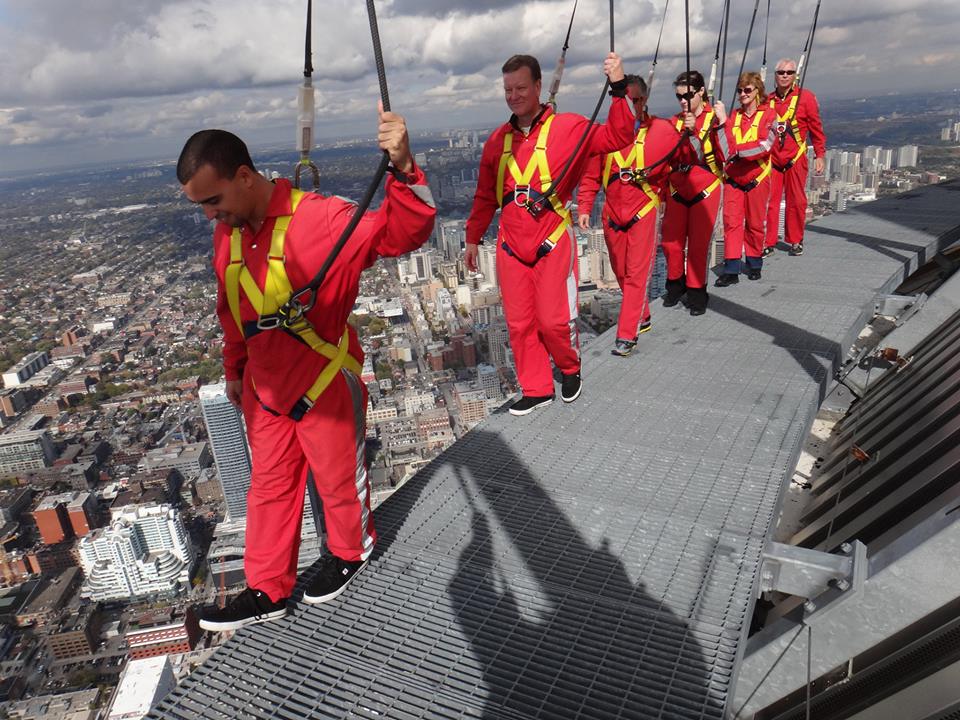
<point>528,403</point>
<point>697,300</point>
<point>249,607</point>
<point>622,347</point>
<point>332,579</point>
<point>727,279</point>
<point>753,274</point>
<point>570,387</point>
<point>645,326</point>
<point>768,251</point>
<point>675,290</point>
<point>796,249</point>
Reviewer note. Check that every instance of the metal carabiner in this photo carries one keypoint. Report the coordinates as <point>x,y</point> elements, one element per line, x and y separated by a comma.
<point>314,170</point>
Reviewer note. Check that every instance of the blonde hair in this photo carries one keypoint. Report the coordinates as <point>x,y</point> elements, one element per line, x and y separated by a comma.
<point>753,78</point>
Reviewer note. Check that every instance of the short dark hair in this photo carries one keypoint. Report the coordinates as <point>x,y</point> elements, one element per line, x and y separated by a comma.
<point>639,82</point>
<point>692,79</point>
<point>222,150</point>
<point>523,61</point>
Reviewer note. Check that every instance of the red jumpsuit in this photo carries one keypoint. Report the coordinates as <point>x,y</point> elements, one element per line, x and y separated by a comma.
<point>789,159</point>
<point>277,368</point>
<point>746,142</point>
<point>540,293</point>
<point>694,201</point>
<point>630,213</point>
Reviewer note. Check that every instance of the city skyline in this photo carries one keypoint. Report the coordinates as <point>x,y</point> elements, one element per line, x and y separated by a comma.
<point>132,80</point>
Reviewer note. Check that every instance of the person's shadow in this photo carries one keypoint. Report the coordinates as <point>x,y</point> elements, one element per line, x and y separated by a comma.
<point>559,627</point>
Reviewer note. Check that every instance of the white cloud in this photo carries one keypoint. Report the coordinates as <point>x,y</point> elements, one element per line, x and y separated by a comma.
<point>102,73</point>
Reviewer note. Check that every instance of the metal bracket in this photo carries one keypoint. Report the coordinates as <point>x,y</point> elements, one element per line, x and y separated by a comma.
<point>901,307</point>
<point>823,579</point>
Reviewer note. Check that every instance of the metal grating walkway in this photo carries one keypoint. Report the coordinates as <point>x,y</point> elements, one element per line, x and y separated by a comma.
<point>596,560</point>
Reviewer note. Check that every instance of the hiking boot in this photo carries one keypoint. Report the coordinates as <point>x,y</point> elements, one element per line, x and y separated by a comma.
<point>753,274</point>
<point>622,347</point>
<point>249,607</point>
<point>570,387</point>
<point>528,403</point>
<point>768,251</point>
<point>697,300</point>
<point>796,249</point>
<point>727,279</point>
<point>675,290</point>
<point>645,326</point>
<point>331,579</point>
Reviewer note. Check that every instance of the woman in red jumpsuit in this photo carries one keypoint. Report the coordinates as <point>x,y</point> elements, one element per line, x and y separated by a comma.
<point>694,199</point>
<point>746,143</point>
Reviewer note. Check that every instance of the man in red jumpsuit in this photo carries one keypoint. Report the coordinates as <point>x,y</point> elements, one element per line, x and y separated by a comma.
<point>797,117</point>
<point>536,250</point>
<point>694,200</point>
<point>299,388</point>
<point>746,141</point>
<point>634,182</point>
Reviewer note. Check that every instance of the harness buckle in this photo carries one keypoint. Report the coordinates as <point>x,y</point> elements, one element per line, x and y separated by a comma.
<point>521,196</point>
<point>781,127</point>
<point>295,308</point>
<point>268,322</point>
<point>627,175</point>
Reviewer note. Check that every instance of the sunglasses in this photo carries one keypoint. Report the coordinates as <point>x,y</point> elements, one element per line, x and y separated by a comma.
<point>686,96</point>
<point>745,91</point>
<point>786,72</point>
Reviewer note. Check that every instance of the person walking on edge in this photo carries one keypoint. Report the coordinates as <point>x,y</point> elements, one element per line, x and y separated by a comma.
<point>746,143</point>
<point>536,251</point>
<point>694,200</point>
<point>298,387</point>
<point>797,119</point>
<point>632,198</point>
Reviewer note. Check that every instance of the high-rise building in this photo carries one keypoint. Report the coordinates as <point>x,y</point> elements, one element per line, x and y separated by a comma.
<point>885,159</point>
<point>144,551</point>
<point>25,369</point>
<point>452,236</point>
<point>908,156</point>
<point>231,453</point>
<point>52,520</point>
<point>25,450</point>
<point>498,341</point>
<point>487,262</point>
<point>488,378</point>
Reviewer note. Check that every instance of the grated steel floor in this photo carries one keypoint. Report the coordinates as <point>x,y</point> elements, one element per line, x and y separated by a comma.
<point>595,560</point>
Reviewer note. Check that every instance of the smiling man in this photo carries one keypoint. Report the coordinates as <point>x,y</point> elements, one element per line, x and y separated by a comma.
<point>536,251</point>
<point>797,118</point>
<point>299,387</point>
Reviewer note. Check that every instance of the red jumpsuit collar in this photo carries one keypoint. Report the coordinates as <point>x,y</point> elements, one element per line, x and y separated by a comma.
<point>545,112</point>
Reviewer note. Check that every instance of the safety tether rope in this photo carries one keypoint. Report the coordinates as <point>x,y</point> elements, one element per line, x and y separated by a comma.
<point>537,206</point>
<point>561,62</point>
<point>303,300</point>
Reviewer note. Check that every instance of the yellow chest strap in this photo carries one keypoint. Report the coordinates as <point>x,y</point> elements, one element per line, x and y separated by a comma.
<point>636,162</point>
<point>276,291</point>
<point>709,155</point>
<point>790,118</point>
<point>522,179</point>
<point>752,132</point>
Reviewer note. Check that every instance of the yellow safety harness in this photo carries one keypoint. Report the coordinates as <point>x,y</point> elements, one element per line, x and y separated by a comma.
<point>789,119</point>
<point>630,171</point>
<point>276,291</point>
<point>710,156</point>
<point>522,191</point>
<point>752,135</point>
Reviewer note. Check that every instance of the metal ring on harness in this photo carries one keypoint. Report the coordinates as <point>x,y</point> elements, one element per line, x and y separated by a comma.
<point>527,198</point>
<point>314,171</point>
<point>628,176</point>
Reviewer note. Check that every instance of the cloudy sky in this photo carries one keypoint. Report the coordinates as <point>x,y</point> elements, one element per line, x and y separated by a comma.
<point>91,80</point>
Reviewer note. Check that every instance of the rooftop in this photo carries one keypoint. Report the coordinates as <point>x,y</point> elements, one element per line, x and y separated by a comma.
<point>597,560</point>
